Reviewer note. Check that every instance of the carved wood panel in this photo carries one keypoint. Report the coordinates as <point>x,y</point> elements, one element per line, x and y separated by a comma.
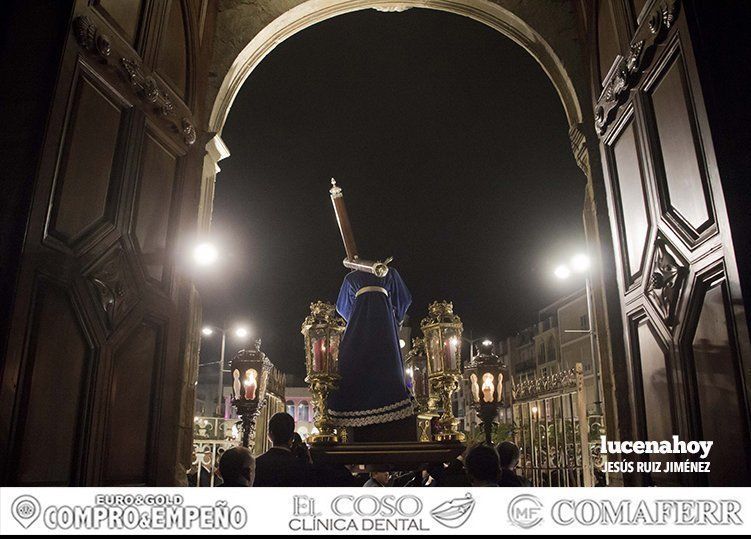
<point>687,363</point>
<point>56,367</point>
<point>129,427</point>
<point>653,387</point>
<point>155,190</point>
<point>125,17</point>
<point>685,199</point>
<point>87,172</point>
<point>718,378</point>
<point>85,357</point>
<point>172,58</point>
<point>630,196</point>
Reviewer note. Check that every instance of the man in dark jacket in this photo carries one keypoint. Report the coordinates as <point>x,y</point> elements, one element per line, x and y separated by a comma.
<point>508,454</point>
<point>279,467</point>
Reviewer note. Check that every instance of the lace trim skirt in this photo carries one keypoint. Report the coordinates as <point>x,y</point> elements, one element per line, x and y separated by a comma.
<point>384,414</point>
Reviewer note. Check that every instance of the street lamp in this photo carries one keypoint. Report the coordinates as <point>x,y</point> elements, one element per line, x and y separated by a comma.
<point>471,342</point>
<point>580,264</point>
<point>485,375</point>
<point>205,254</point>
<point>250,375</point>
<point>241,332</point>
<point>207,331</point>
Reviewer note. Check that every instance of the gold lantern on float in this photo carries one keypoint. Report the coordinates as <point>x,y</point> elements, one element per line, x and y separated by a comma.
<point>250,373</point>
<point>323,330</point>
<point>442,330</point>
<point>416,374</point>
<point>485,375</point>
<point>416,379</point>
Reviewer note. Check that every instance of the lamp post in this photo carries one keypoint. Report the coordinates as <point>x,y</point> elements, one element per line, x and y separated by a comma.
<point>250,375</point>
<point>207,331</point>
<point>580,264</point>
<point>322,330</point>
<point>471,343</point>
<point>442,330</point>
<point>485,375</point>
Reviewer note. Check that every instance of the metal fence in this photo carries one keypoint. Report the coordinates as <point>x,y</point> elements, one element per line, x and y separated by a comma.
<point>212,436</point>
<point>546,413</point>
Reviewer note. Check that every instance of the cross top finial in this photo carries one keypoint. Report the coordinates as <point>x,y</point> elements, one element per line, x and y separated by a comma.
<point>335,190</point>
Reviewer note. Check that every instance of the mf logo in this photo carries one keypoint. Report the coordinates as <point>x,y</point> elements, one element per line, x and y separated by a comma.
<point>525,511</point>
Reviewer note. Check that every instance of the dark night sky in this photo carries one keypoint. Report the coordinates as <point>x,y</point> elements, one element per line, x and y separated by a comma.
<point>451,146</point>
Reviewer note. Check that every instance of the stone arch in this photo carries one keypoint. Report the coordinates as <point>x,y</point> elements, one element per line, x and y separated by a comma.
<point>246,33</point>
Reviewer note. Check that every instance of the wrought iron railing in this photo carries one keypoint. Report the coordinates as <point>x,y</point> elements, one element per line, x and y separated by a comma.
<point>212,436</point>
<point>546,414</point>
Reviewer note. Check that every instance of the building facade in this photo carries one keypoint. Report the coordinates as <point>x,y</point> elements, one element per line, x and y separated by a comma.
<point>557,342</point>
<point>299,404</point>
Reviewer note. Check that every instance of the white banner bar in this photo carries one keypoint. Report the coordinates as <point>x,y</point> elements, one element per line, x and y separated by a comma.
<point>277,511</point>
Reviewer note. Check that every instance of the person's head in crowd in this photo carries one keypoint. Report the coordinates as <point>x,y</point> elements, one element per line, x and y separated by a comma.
<point>300,448</point>
<point>508,454</point>
<point>237,467</point>
<point>382,478</point>
<point>281,429</point>
<point>482,466</point>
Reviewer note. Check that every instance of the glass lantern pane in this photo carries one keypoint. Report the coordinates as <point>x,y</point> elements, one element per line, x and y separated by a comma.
<point>409,379</point>
<point>236,384</point>
<point>250,382</point>
<point>475,387</point>
<point>420,380</point>
<point>317,350</point>
<point>488,387</point>
<point>334,340</point>
<point>435,352</point>
<point>452,347</point>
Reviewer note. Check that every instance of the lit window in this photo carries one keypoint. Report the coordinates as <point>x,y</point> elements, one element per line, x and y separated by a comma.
<point>302,411</point>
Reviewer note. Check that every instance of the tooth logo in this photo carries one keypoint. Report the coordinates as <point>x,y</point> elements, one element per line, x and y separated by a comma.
<point>454,513</point>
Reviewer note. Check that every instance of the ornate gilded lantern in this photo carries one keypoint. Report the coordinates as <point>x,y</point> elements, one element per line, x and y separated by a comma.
<point>442,330</point>
<point>250,374</point>
<point>416,378</point>
<point>323,330</point>
<point>485,375</point>
<point>416,373</point>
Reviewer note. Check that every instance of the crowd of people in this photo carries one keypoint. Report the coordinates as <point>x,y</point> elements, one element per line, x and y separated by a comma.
<point>288,463</point>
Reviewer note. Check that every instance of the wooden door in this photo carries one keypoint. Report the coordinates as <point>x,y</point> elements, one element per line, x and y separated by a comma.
<point>683,314</point>
<point>95,364</point>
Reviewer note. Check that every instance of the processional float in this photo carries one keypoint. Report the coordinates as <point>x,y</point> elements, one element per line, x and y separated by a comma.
<point>437,375</point>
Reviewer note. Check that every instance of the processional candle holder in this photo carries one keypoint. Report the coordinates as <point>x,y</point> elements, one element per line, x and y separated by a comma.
<point>416,379</point>
<point>323,330</point>
<point>442,330</point>
<point>250,375</point>
<point>485,375</point>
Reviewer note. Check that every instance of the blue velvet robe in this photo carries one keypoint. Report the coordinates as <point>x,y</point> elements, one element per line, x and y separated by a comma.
<point>372,388</point>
